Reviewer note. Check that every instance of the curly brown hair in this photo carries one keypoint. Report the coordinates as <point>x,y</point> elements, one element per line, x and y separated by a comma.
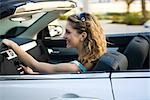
<point>95,44</point>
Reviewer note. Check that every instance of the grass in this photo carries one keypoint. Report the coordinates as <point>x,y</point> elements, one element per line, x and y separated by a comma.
<point>124,18</point>
<point>63,17</point>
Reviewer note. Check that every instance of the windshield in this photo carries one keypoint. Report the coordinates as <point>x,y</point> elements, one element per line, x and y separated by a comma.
<point>14,28</point>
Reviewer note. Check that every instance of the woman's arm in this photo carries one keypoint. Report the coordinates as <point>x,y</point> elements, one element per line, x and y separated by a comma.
<point>25,69</point>
<point>28,60</point>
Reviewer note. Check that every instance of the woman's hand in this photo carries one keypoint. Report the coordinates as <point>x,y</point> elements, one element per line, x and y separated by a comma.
<point>27,70</point>
<point>8,42</point>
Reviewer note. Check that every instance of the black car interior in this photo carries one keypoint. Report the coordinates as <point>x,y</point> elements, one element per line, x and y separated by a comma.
<point>9,66</point>
<point>111,61</point>
<point>132,52</point>
<point>137,51</point>
<point>114,59</point>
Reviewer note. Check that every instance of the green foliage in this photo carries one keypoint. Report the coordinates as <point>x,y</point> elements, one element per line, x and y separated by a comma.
<point>124,18</point>
<point>63,17</point>
<point>148,14</point>
<point>133,19</point>
<point>102,17</point>
<point>117,19</point>
<point>116,14</point>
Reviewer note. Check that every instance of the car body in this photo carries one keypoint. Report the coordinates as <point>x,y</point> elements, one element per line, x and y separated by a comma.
<point>147,24</point>
<point>30,29</point>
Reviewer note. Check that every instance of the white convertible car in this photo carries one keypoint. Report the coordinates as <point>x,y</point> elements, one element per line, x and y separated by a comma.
<point>123,73</point>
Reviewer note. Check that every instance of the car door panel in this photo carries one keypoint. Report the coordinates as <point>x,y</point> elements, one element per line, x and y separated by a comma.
<point>59,55</point>
<point>131,85</point>
<point>46,87</point>
<point>58,51</point>
<point>49,43</point>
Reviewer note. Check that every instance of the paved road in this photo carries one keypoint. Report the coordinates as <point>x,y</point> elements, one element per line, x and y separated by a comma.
<point>122,28</point>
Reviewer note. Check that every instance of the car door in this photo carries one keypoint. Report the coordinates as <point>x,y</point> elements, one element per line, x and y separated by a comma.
<point>131,85</point>
<point>88,86</point>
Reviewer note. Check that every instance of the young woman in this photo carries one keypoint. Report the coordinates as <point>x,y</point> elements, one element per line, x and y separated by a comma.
<point>84,33</point>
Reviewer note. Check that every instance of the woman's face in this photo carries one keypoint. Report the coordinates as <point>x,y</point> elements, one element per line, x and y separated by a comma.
<point>73,38</point>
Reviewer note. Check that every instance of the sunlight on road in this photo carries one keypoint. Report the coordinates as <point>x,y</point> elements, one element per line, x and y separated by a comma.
<point>110,28</point>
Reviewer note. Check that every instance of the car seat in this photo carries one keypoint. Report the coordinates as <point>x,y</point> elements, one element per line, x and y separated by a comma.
<point>137,51</point>
<point>111,61</point>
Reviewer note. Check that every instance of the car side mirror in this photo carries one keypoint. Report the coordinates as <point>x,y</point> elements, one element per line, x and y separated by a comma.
<point>147,24</point>
<point>55,30</point>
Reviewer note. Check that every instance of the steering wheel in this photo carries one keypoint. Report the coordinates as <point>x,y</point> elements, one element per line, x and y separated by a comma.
<point>2,48</point>
<point>8,60</point>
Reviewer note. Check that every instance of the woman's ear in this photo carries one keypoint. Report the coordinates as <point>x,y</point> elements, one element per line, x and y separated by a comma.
<point>83,36</point>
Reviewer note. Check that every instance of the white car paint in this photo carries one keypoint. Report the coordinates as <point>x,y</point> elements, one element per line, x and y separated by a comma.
<point>131,85</point>
<point>46,87</point>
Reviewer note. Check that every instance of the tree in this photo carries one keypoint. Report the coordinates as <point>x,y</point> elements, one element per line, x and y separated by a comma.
<point>128,2</point>
<point>144,12</point>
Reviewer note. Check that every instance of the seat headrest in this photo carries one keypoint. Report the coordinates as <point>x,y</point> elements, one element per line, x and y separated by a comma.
<point>137,51</point>
<point>111,61</point>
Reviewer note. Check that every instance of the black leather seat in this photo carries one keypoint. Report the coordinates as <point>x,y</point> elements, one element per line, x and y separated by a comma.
<point>137,51</point>
<point>111,61</point>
